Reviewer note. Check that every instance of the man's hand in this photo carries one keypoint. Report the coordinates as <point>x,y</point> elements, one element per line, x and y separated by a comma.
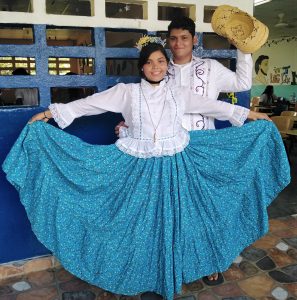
<point>117,128</point>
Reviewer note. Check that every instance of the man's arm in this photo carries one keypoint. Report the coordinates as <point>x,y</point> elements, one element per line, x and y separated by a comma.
<point>220,110</point>
<point>238,81</point>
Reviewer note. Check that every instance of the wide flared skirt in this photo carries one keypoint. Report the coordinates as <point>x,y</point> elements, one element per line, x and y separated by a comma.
<point>129,224</point>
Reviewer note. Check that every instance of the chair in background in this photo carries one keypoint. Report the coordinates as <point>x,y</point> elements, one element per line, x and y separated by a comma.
<point>255,101</point>
<point>284,123</point>
<point>289,113</point>
<point>293,115</point>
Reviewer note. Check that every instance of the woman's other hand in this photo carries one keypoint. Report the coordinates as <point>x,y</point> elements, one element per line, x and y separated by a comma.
<point>42,116</point>
<point>253,115</point>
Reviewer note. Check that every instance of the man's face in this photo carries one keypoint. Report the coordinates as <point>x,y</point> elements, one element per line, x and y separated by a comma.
<point>181,43</point>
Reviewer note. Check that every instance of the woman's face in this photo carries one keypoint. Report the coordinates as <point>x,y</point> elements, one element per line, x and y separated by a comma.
<point>156,66</point>
<point>264,65</point>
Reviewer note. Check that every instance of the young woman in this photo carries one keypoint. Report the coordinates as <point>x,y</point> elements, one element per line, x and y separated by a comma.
<point>268,97</point>
<point>161,207</point>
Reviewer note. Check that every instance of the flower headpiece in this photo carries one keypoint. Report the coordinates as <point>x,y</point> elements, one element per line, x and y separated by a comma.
<point>146,39</point>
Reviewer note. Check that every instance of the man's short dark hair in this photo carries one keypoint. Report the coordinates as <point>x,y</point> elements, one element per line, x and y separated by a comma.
<point>184,23</point>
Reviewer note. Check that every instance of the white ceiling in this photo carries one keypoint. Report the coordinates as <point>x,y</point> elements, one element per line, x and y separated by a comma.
<point>269,12</point>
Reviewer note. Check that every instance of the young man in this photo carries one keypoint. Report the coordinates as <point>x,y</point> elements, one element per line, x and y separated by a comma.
<point>206,77</point>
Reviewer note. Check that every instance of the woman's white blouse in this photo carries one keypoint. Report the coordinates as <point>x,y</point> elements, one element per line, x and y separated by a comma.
<point>149,110</point>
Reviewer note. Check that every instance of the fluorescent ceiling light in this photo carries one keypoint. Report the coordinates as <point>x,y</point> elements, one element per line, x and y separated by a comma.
<point>259,2</point>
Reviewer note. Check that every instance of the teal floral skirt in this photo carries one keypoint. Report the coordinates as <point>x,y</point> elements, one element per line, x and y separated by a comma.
<point>129,224</point>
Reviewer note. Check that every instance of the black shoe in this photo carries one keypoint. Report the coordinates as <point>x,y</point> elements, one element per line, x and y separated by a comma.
<point>213,282</point>
<point>150,296</point>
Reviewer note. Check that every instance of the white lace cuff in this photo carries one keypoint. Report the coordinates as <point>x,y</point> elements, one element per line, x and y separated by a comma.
<point>57,117</point>
<point>239,115</point>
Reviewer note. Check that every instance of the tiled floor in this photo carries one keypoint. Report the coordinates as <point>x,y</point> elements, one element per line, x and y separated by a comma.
<point>266,270</point>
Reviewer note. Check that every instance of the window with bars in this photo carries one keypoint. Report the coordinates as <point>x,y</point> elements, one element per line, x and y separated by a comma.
<point>65,65</point>
<point>9,64</point>
<point>59,65</point>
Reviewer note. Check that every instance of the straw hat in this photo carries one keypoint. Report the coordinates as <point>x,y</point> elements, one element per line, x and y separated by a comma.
<point>244,31</point>
<point>220,16</point>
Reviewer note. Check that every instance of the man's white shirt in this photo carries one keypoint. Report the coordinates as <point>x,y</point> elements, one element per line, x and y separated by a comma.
<point>207,77</point>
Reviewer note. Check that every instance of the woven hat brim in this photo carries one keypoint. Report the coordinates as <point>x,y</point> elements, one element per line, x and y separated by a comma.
<point>220,16</point>
<point>246,32</point>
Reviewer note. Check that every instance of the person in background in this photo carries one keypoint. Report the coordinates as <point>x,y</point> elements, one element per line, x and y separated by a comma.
<point>261,69</point>
<point>268,98</point>
<point>25,96</point>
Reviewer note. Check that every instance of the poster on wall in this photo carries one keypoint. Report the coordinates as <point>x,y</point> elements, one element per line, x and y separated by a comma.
<point>275,63</point>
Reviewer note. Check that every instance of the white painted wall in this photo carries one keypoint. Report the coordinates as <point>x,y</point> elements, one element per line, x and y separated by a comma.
<point>282,53</point>
<point>39,15</point>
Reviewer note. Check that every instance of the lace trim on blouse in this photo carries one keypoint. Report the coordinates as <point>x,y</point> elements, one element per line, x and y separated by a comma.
<point>136,109</point>
<point>147,148</point>
<point>240,114</point>
<point>133,142</point>
<point>62,124</point>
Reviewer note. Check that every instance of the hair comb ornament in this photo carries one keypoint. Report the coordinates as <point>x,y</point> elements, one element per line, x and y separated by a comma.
<point>146,39</point>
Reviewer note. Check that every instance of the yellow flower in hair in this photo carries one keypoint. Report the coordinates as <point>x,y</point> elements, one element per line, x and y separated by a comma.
<point>145,40</point>
<point>142,41</point>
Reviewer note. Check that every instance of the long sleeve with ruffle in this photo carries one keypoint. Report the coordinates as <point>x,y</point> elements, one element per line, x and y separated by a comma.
<point>153,115</point>
<point>113,99</point>
<point>216,109</point>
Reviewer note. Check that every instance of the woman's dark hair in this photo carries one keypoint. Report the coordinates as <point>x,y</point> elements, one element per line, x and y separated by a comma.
<point>268,90</point>
<point>145,53</point>
<point>183,23</point>
<point>259,61</point>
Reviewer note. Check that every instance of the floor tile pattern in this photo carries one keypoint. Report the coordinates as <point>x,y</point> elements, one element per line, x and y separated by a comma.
<point>265,270</point>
